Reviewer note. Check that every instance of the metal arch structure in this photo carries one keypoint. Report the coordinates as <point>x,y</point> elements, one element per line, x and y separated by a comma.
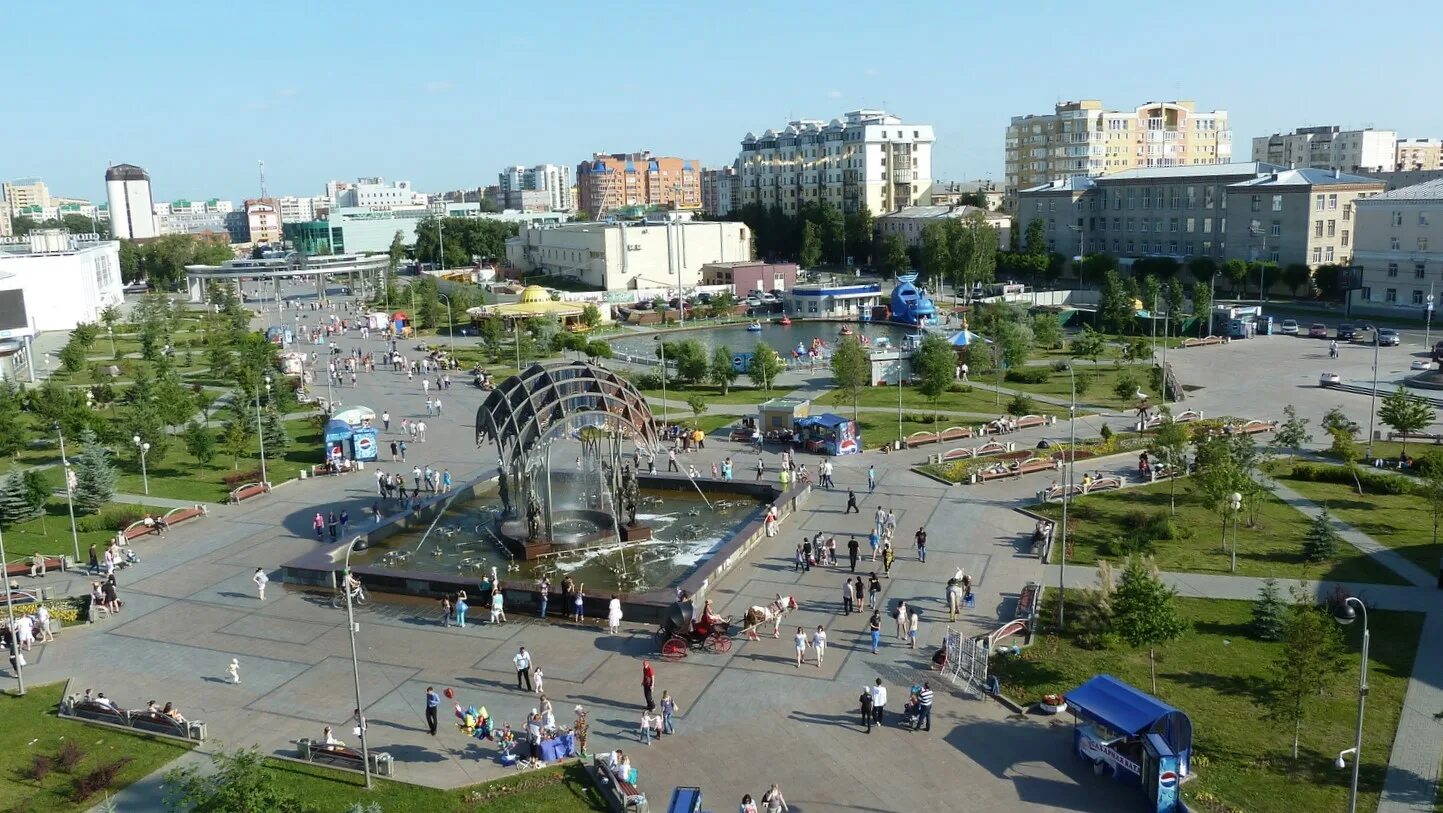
<point>526,412</point>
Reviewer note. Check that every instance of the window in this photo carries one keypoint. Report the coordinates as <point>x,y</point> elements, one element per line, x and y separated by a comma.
<point>1157,225</point>
<point>1130,224</point>
<point>1277,203</point>
<point>1328,254</point>
<point>1257,203</point>
<point>1172,225</point>
<point>1347,212</point>
<point>1317,254</point>
<point>1317,228</point>
<point>1051,204</point>
<point>1319,201</point>
<point>1333,201</point>
<point>1275,229</point>
<point>1422,218</point>
<point>1392,269</point>
<point>1345,237</point>
<point>1207,225</point>
<point>1187,248</point>
<point>1397,218</point>
<point>1394,243</point>
<point>1419,269</point>
<point>1191,225</point>
<point>1390,295</point>
<point>1422,243</point>
<point>1332,227</point>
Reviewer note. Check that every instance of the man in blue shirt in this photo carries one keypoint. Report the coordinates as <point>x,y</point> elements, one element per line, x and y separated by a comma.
<point>433,700</point>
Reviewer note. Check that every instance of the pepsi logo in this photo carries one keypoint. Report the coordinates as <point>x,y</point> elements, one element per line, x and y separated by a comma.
<point>1167,779</point>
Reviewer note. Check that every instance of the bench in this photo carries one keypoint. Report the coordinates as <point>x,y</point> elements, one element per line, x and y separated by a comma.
<point>1101,484</point>
<point>137,529</point>
<point>1028,421</point>
<point>919,439</point>
<point>964,453</point>
<point>958,433</point>
<point>344,757</point>
<point>1254,427</point>
<point>996,427</point>
<point>1203,342</point>
<point>1036,464</point>
<point>1436,437</point>
<point>157,723</point>
<point>247,491</point>
<point>621,795</point>
<point>22,567</point>
<point>99,712</point>
<point>1027,601</point>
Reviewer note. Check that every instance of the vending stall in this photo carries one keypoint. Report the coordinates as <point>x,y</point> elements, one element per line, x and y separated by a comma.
<point>829,434</point>
<point>1133,736</point>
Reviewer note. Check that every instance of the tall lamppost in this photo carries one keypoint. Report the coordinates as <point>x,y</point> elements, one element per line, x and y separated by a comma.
<point>69,492</point>
<point>1066,496</point>
<point>1373,396</point>
<point>1345,615</point>
<point>14,639</point>
<point>111,330</point>
<point>1235,500</point>
<point>355,661</point>
<point>450,321</point>
<point>1428,321</point>
<point>261,435</point>
<point>144,450</point>
<point>661,344</point>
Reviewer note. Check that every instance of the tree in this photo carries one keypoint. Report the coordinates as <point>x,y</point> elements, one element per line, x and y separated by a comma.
<point>1015,340</point>
<point>1094,266</point>
<point>1114,310</point>
<point>274,432</point>
<point>1202,306</point>
<point>851,369</point>
<point>1144,610</point>
<point>937,255</point>
<point>1237,271</point>
<point>690,359</point>
<point>1430,488</point>
<point>933,367</point>
<point>1405,413</point>
<point>1320,542</point>
<point>1173,297</point>
<point>72,356</point>
<point>811,253</point>
<point>235,440</point>
<point>1293,434</point>
<point>696,402</point>
<point>764,366</point>
<point>1298,276</point>
<point>598,349</point>
<point>894,255</point>
<point>94,474</point>
<point>395,254</point>
<point>1034,242</point>
<point>1088,344</point>
<point>1311,659</point>
<point>200,442</point>
<point>721,372</point>
<point>591,316</point>
<point>14,430</point>
<point>238,782</point>
<point>860,226</point>
<point>1269,612</point>
<point>1047,331</point>
<point>17,503</point>
<point>1169,449</point>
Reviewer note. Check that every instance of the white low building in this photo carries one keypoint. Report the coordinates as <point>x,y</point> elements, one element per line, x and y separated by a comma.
<point>660,252</point>
<point>61,280</point>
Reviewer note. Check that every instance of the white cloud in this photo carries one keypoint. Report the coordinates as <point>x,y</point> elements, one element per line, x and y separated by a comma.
<point>870,72</point>
<point>440,86</point>
<point>285,92</point>
<point>834,94</point>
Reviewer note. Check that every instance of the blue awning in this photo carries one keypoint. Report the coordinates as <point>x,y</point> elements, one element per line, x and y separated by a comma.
<point>965,338</point>
<point>1117,705</point>
<point>827,419</point>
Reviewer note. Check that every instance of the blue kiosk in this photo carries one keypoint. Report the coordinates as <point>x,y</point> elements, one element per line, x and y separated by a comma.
<point>910,304</point>
<point>1139,739</point>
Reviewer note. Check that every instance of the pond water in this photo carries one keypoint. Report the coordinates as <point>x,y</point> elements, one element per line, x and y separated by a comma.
<point>781,338</point>
<point>685,532</point>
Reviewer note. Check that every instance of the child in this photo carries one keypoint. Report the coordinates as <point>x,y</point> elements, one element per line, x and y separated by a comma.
<point>579,603</point>
<point>233,670</point>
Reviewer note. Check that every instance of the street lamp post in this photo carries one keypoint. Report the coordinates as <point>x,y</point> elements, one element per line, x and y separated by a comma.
<point>450,321</point>
<point>355,661</point>
<point>1236,501</point>
<point>144,450</point>
<point>14,639</point>
<point>111,330</point>
<point>1373,395</point>
<point>69,493</point>
<point>441,244</point>
<point>260,434</point>
<point>1066,495</point>
<point>1345,614</point>
<point>899,401</point>
<point>664,419</point>
<point>1428,322</point>
<point>1258,232</point>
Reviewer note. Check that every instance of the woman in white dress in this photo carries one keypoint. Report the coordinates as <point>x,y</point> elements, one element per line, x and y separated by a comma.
<point>24,632</point>
<point>613,616</point>
<point>42,623</point>
<point>800,640</point>
<point>819,643</point>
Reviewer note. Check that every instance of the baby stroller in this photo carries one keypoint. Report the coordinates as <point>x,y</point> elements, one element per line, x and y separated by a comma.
<point>914,705</point>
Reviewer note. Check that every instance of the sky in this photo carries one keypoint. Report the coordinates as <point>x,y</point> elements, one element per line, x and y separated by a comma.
<point>445,94</point>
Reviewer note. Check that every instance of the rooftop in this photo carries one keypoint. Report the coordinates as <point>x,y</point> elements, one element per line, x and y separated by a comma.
<point>1253,168</point>
<point>1076,183</point>
<point>932,212</point>
<point>1309,177</point>
<point>1428,190</point>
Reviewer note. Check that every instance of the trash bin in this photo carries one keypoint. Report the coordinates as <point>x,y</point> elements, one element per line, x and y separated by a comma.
<point>303,749</point>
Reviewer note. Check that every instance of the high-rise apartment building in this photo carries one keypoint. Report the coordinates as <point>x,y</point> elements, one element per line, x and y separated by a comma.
<point>132,210</point>
<point>718,190</point>
<point>1082,139</point>
<point>1329,147</point>
<point>869,158</point>
<point>1418,154</point>
<point>638,179</point>
<point>24,192</point>
<point>553,179</point>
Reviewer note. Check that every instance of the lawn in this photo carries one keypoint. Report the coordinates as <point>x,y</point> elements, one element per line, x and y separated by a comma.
<point>563,789</point>
<point>32,728</point>
<point>1101,380</point>
<point>51,534</point>
<point>713,394</point>
<point>1402,522</point>
<point>177,476</point>
<point>1216,674</point>
<point>1271,547</point>
<point>973,401</point>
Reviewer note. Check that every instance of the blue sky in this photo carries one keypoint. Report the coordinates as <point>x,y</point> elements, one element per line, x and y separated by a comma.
<point>446,93</point>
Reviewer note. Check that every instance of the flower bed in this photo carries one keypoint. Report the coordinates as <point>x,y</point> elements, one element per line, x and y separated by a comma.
<point>68,610</point>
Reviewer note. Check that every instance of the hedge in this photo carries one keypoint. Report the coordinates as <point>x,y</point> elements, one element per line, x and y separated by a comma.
<point>1370,480</point>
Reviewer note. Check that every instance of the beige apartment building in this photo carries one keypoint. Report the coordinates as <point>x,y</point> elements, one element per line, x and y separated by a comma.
<point>1297,216</point>
<point>24,192</point>
<point>606,183</point>
<point>1418,154</point>
<point>1400,249</point>
<point>1082,139</point>
<point>1329,147</point>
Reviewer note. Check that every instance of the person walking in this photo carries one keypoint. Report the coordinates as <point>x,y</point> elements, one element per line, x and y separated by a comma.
<point>852,553</point>
<point>871,478</point>
<point>866,703</point>
<point>800,642</point>
<point>433,701</point>
<point>888,557</point>
<point>543,594</point>
<point>847,596</point>
<point>318,523</point>
<point>446,609</point>
<point>648,680</point>
<point>386,421</point>
<point>649,725</point>
<point>819,643</point>
<point>874,590</point>
<point>924,708</point>
<point>901,616</point>
<point>859,594</point>
<point>345,521</point>
<point>874,626</point>
<point>761,469</point>
<point>913,622</point>
<point>873,539</point>
<point>261,579</point>
<point>522,659</point>
<point>851,502</point>
<point>671,461</point>
<point>668,709</point>
<point>747,805</point>
<point>333,524</point>
<point>772,801</point>
<point>879,702</point>
<point>613,615</point>
<point>922,545</point>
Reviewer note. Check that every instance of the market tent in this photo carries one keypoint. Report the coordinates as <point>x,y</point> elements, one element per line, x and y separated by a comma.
<point>965,338</point>
<point>337,430</point>
<point>355,416</point>
<point>1121,707</point>
<point>827,420</point>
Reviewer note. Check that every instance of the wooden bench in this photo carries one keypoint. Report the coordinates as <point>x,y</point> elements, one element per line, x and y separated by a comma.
<point>137,529</point>
<point>964,453</point>
<point>1028,421</point>
<point>1027,601</point>
<point>100,712</point>
<point>247,491</point>
<point>22,567</point>
<point>919,439</point>
<point>157,723</point>
<point>999,472</point>
<point>1433,436</point>
<point>1101,484</point>
<point>1254,427</point>
<point>1187,416</point>
<point>1036,464</point>
<point>345,757</point>
<point>1203,342</point>
<point>621,795</point>
<point>958,433</point>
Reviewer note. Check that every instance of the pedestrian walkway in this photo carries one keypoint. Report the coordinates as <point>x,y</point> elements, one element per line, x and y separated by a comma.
<point>1393,560</point>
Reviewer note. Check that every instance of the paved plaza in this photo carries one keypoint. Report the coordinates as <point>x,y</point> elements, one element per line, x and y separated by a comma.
<point>748,718</point>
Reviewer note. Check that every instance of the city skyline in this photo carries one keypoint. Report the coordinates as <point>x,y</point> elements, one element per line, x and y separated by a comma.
<point>428,96</point>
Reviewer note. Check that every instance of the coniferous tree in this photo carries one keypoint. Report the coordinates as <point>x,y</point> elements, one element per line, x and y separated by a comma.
<point>1270,612</point>
<point>1320,543</point>
<point>94,474</point>
<point>274,432</point>
<point>16,501</point>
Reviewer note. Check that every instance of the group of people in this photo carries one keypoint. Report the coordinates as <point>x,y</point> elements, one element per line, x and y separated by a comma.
<point>26,631</point>
<point>335,524</point>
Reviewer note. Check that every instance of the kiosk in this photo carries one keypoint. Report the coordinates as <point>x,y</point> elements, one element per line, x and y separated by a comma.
<point>829,434</point>
<point>1139,739</point>
<point>347,442</point>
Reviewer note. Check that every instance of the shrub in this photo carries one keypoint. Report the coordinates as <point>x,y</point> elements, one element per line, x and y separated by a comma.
<point>1106,433</point>
<point>1021,404</point>
<point>1126,386</point>
<point>958,386</point>
<point>1373,481</point>
<point>40,767</point>
<point>1028,375</point>
<point>69,756</point>
<point>646,381</point>
<point>240,478</point>
<point>1060,366</point>
<point>97,780</point>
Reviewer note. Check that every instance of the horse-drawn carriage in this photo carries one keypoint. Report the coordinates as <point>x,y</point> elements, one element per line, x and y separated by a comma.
<point>682,631</point>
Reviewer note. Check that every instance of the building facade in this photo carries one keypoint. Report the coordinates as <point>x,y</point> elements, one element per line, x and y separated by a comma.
<point>956,193</point>
<point>911,221</point>
<point>132,210</point>
<point>553,179</point>
<point>747,276</point>
<point>1248,211</point>
<point>718,191</point>
<point>1329,148</point>
<point>61,279</point>
<point>1418,154</point>
<point>1400,249</point>
<point>24,192</point>
<point>263,220</point>
<point>868,159</point>
<point>363,231</point>
<point>374,194</point>
<point>201,222</point>
<point>1082,139</point>
<point>661,252</point>
<point>623,180</point>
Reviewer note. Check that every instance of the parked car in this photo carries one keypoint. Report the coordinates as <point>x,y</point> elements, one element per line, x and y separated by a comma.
<point>1289,327</point>
<point>753,302</point>
<point>1388,337</point>
<point>1438,352</point>
<point>1317,330</point>
<point>1346,333</point>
